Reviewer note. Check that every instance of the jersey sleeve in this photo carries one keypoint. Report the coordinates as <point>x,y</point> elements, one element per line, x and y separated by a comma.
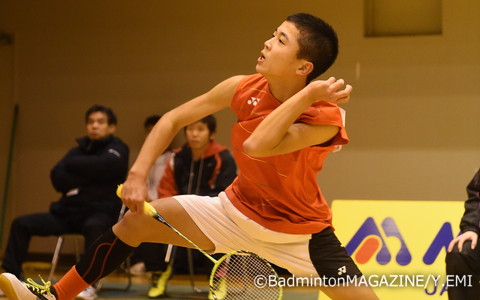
<point>326,113</point>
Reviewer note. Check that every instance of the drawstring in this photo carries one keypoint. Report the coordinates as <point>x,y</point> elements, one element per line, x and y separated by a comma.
<point>192,175</point>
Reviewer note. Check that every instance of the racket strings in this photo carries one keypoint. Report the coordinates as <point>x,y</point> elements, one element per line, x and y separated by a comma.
<point>244,276</point>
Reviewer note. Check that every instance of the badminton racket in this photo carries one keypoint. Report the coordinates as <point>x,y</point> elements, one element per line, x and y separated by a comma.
<point>236,275</point>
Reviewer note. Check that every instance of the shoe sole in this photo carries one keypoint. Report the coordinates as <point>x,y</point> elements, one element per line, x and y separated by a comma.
<point>85,298</point>
<point>7,288</point>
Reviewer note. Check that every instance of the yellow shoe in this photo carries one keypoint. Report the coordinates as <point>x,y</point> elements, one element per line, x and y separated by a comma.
<point>159,283</point>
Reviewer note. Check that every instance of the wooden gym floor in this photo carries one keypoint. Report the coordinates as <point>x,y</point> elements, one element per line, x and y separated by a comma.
<point>179,287</point>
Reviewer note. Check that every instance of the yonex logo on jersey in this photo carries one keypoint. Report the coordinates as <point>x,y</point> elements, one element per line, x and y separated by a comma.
<point>368,240</point>
<point>342,270</point>
<point>253,101</point>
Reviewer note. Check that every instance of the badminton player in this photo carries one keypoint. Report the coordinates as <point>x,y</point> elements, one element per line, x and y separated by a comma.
<point>287,125</point>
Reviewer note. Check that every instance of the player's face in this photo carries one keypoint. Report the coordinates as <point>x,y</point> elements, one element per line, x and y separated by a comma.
<point>198,136</point>
<point>98,127</point>
<point>279,54</point>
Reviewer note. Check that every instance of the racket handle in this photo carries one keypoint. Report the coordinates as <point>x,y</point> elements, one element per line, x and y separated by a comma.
<point>148,209</point>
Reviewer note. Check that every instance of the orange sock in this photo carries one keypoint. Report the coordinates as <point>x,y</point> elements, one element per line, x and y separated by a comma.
<point>70,285</point>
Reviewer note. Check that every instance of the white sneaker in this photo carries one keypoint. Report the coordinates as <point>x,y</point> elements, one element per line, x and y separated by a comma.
<point>89,293</point>
<point>14,289</point>
<point>138,269</point>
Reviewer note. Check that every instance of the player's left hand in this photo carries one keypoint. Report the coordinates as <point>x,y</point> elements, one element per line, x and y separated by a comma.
<point>330,90</point>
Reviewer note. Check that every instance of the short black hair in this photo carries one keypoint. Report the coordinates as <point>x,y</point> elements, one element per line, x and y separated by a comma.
<point>112,118</point>
<point>151,121</point>
<point>210,121</point>
<point>318,42</point>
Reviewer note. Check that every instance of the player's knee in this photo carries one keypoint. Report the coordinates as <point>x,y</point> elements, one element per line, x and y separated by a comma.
<point>132,227</point>
<point>20,223</point>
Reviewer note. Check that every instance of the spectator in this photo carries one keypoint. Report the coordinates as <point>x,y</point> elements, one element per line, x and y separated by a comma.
<point>463,257</point>
<point>87,177</point>
<point>201,167</point>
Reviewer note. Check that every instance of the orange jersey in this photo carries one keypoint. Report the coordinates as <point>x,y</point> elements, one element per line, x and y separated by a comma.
<point>280,192</point>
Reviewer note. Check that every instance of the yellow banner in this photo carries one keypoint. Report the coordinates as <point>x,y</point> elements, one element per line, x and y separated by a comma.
<point>400,246</point>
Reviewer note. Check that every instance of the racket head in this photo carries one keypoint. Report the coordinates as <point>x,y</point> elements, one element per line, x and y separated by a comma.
<point>243,274</point>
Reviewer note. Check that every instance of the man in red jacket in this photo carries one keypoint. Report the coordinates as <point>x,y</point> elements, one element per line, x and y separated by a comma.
<point>201,167</point>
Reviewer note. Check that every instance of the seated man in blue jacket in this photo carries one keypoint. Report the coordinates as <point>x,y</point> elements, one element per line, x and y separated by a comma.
<point>463,257</point>
<point>87,177</point>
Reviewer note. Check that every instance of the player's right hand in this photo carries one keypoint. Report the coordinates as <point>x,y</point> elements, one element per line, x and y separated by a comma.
<point>134,194</point>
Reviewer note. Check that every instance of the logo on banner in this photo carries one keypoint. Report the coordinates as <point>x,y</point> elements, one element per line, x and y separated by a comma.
<point>441,241</point>
<point>368,240</point>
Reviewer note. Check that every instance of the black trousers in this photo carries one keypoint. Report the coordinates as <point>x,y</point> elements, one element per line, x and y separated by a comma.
<point>46,224</point>
<point>153,255</point>
<point>465,263</point>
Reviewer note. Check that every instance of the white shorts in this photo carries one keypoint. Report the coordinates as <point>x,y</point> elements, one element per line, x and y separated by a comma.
<point>231,230</point>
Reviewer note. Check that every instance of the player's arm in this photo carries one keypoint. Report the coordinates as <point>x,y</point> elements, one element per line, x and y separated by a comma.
<point>219,97</point>
<point>278,134</point>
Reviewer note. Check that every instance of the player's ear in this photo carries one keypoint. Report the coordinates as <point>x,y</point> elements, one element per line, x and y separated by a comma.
<point>212,135</point>
<point>305,68</point>
<point>112,128</point>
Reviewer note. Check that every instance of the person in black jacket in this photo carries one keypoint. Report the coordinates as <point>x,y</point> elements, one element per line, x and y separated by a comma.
<point>463,256</point>
<point>201,167</point>
<point>87,177</point>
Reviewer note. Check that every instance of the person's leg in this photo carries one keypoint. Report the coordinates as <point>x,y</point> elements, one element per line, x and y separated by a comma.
<point>464,263</point>
<point>114,246</point>
<point>161,272</point>
<point>138,255</point>
<point>202,265</point>
<point>104,256</point>
<point>331,260</point>
<point>153,255</point>
<point>93,225</point>
<point>298,253</point>
<point>21,231</point>
<point>324,256</point>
